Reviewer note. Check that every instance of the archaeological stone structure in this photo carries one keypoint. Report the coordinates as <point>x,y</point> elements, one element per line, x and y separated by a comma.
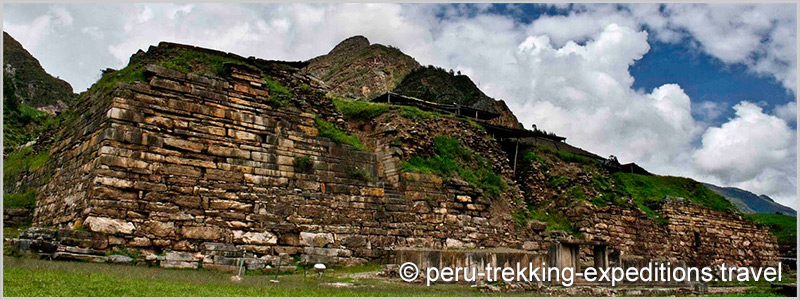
<point>194,170</point>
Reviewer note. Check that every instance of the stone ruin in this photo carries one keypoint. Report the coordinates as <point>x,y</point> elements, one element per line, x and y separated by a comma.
<point>188,170</point>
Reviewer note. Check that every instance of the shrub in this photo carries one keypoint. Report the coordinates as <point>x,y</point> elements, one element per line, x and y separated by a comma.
<point>303,164</point>
<point>326,129</point>
<point>25,199</point>
<point>360,174</point>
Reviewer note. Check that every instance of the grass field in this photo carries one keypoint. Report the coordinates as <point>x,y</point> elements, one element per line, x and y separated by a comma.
<point>23,277</point>
<point>26,277</point>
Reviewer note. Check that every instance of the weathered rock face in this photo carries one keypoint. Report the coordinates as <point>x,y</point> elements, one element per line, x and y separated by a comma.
<point>356,69</point>
<point>182,160</point>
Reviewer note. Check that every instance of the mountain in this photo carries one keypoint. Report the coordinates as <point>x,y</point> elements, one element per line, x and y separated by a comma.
<point>749,203</point>
<point>30,96</point>
<point>34,86</point>
<point>360,70</point>
<point>435,84</point>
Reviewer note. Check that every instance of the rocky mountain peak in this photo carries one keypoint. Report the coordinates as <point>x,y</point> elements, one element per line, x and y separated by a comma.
<point>349,45</point>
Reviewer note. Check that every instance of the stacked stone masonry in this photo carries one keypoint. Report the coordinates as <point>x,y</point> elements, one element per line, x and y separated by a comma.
<point>185,160</point>
<point>191,164</point>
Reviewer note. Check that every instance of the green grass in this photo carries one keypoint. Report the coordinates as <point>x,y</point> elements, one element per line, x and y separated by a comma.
<point>554,220</point>
<point>453,159</point>
<point>21,122</point>
<point>365,110</point>
<point>782,226</point>
<point>23,160</point>
<point>25,199</point>
<point>278,93</point>
<point>566,156</point>
<point>326,129</point>
<point>359,110</point>
<point>182,60</point>
<point>30,277</point>
<point>649,190</point>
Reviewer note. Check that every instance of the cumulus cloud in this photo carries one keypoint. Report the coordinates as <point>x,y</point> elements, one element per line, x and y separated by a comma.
<point>787,112</point>
<point>566,73</point>
<point>761,36</point>
<point>751,150</point>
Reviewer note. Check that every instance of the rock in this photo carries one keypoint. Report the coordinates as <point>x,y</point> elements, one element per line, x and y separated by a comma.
<point>201,232</point>
<point>176,264</point>
<point>78,256</point>
<point>108,225</point>
<point>38,232</point>
<point>316,239</point>
<point>453,244</point>
<point>119,259</point>
<point>256,238</point>
<point>159,229</point>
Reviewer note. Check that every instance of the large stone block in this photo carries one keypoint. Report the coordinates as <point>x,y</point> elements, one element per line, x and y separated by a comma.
<point>108,225</point>
<point>316,239</point>
<point>209,233</point>
<point>255,238</point>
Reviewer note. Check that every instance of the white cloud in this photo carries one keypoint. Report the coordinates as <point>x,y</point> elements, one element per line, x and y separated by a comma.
<point>753,150</point>
<point>93,31</point>
<point>568,74</point>
<point>787,112</point>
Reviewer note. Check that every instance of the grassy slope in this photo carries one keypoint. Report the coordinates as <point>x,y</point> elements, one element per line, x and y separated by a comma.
<point>782,226</point>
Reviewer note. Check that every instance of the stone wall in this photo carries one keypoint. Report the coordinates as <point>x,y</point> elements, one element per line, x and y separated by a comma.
<point>697,235</point>
<point>184,160</point>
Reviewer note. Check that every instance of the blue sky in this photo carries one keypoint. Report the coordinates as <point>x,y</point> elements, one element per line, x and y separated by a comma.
<point>699,90</point>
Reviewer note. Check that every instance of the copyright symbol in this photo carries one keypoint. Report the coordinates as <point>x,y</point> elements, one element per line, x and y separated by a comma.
<point>408,272</point>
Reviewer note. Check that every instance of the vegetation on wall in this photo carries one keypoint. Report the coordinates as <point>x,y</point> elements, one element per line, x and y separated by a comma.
<point>326,129</point>
<point>23,160</point>
<point>303,164</point>
<point>24,200</point>
<point>453,159</point>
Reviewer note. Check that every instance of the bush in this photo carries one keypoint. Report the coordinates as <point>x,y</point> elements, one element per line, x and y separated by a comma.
<point>360,174</point>
<point>303,164</point>
<point>326,129</point>
<point>24,200</point>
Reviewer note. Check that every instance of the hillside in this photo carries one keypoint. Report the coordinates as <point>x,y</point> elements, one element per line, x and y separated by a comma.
<point>34,86</point>
<point>30,96</point>
<point>357,69</point>
<point>748,202</point>
<point>437,85</point>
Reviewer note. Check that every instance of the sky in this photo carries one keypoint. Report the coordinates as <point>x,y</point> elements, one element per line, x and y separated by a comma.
<point>706,91</point>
